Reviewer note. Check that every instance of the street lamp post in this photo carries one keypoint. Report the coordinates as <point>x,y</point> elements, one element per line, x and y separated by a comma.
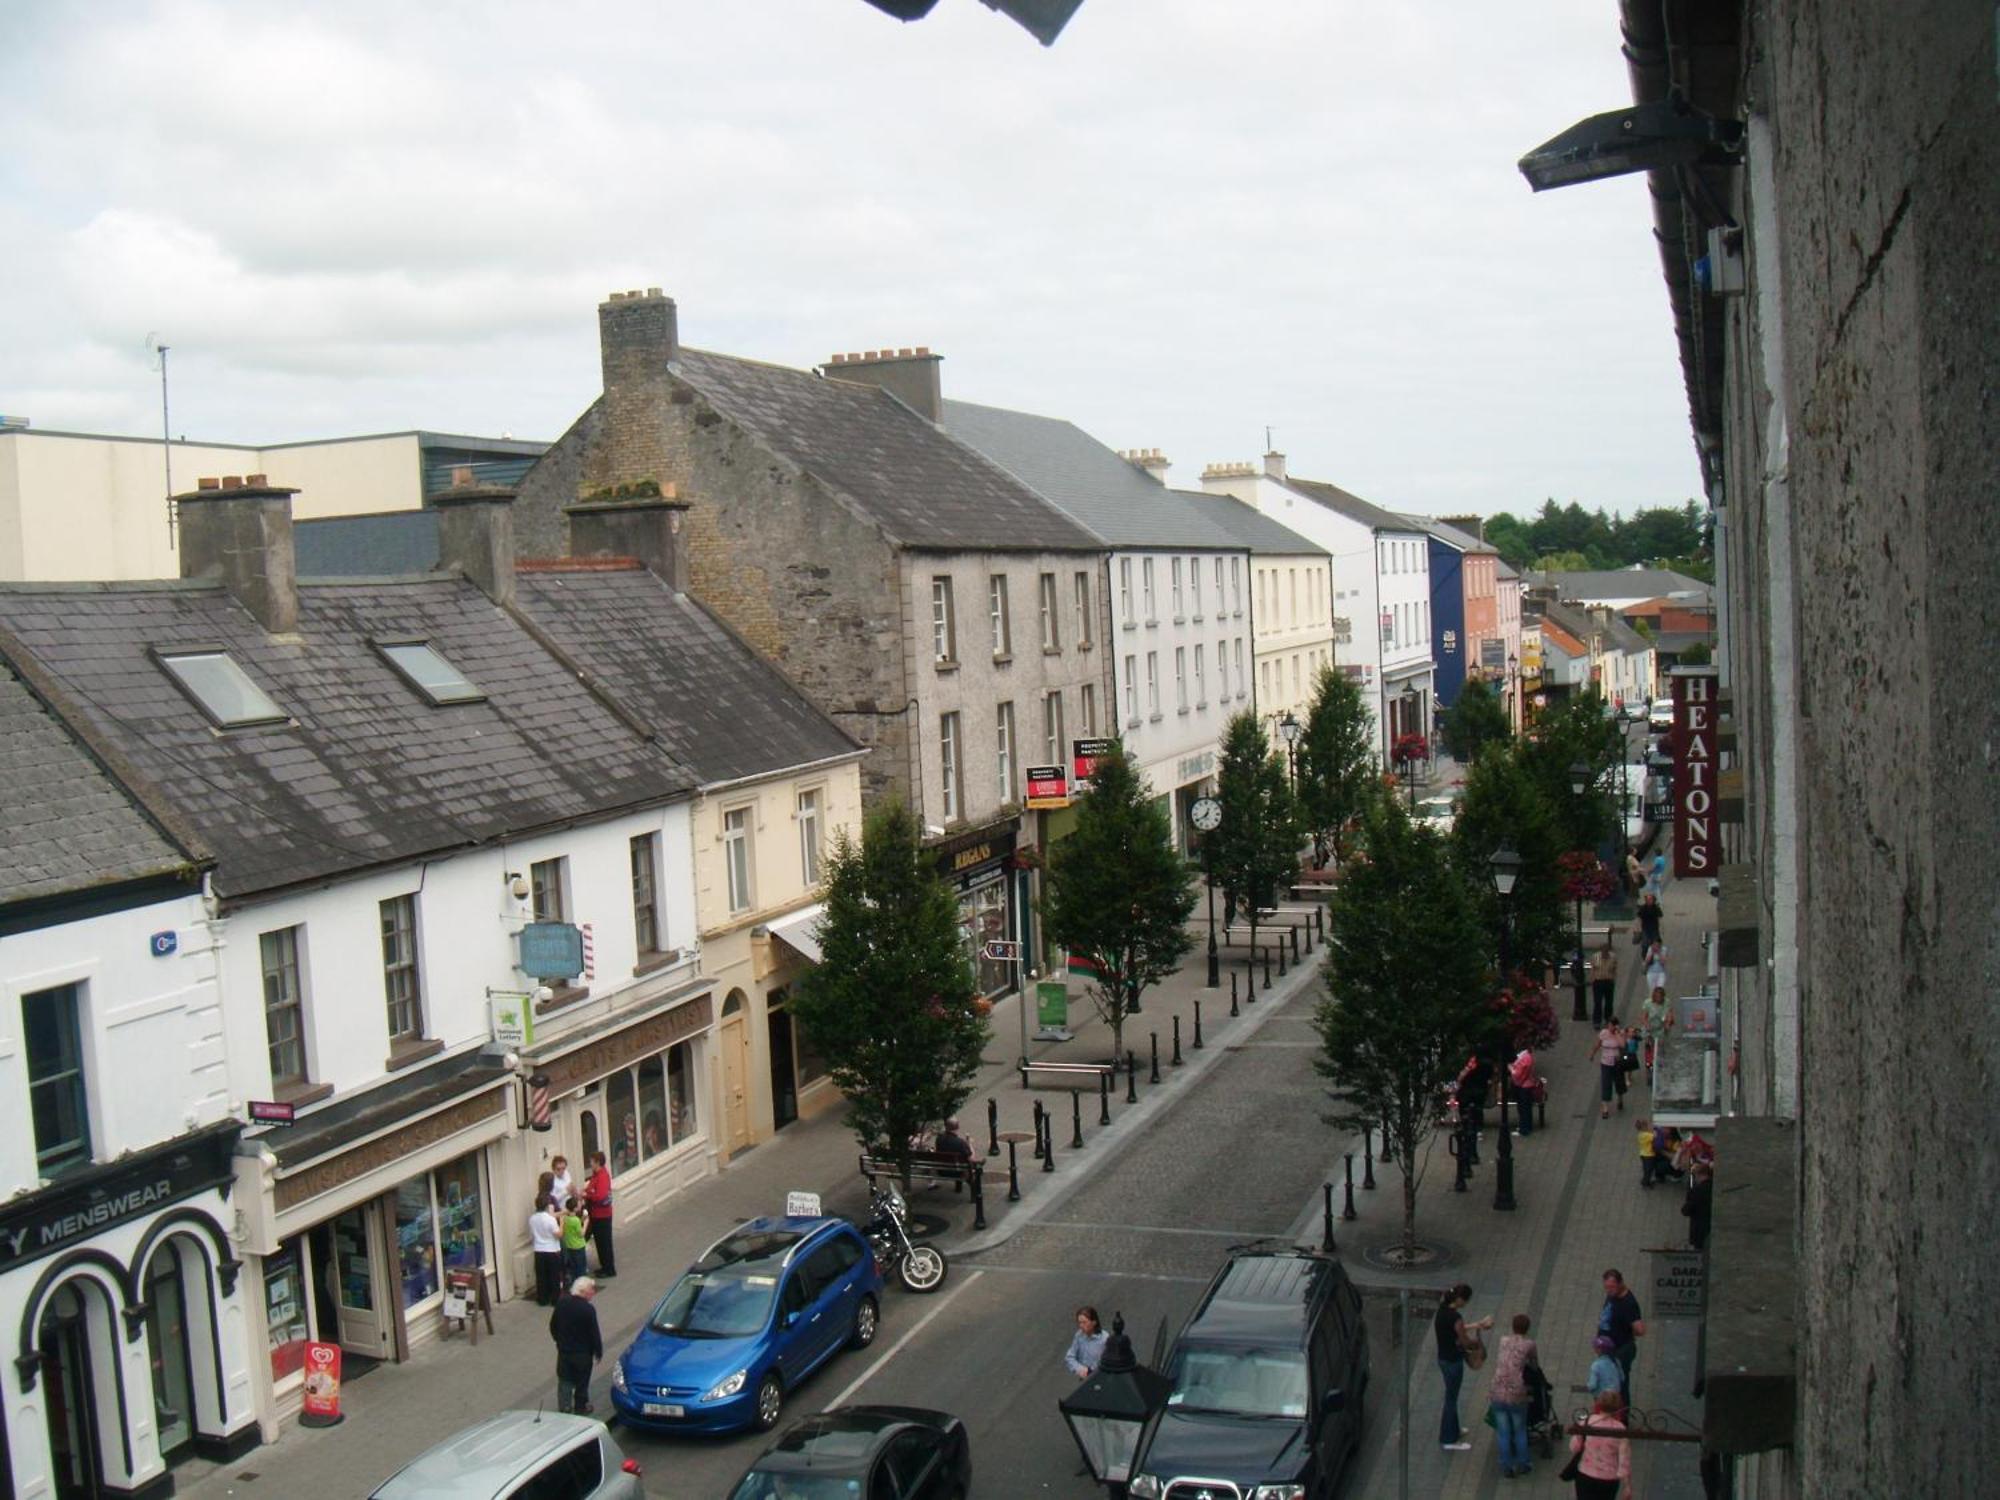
<point>1506,869</point>
<point>1206,815</point>
<point>1108,1411</point>
<point>1514,693</point>
<point>1289,730</point>
<point>1580,779</point>
<point>1412,704</point>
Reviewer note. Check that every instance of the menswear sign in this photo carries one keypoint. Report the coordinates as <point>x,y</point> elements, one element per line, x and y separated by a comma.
<point>1697,829</point>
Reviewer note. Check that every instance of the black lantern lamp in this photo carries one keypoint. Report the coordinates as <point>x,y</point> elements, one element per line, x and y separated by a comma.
<point>1579,777</point>
<point>1108,1412</point>
<point>1289,730</point>
<point>1579,782</point>
<point>1505,866</point>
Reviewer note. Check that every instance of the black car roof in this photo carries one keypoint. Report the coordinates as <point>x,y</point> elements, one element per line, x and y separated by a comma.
<point>845,1440</point>
<point>1264,1295</point>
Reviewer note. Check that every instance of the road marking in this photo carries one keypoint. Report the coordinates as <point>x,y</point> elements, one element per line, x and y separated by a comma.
<point>897,1347</point>
<point>1224,1234</point>
<point>1117,1273</point>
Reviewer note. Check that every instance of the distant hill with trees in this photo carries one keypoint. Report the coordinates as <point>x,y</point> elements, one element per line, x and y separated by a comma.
<point>1568,538</point>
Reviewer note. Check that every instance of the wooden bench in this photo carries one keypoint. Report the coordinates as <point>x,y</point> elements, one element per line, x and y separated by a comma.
<point>934,1166</point>
<point>1067,1075</point>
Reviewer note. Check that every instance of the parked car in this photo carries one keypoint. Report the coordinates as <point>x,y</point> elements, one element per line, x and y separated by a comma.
<point>520,1453</point>
<point>1268,1379</point>
<point>1439,813</point>
<point>769,1303</point>
<point>1660,717</point>
<point>862,1452</point>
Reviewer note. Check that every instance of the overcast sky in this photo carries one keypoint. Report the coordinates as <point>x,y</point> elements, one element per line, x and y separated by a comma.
<point>1185,222</point>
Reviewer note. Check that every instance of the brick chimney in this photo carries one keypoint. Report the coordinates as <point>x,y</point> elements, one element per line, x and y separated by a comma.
<point>238,531</point>
<point>638,334</point>
<point>1274,465</point>
<point>476,533</point>
<point>910,375</point>
<point>647,528</point>
<point>1149,461</point>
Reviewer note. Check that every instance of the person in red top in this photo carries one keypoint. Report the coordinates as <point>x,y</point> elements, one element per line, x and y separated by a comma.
<point>597,1202</point>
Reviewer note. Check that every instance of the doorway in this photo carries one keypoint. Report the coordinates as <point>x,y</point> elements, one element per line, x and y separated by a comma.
<point>167,1344</point>
<point>74,1427</point>
<point>784,1075</point>
<point>347,1281</point>
<point>733,1037</point>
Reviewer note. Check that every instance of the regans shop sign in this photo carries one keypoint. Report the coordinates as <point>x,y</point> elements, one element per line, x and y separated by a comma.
<point>1697,829</point>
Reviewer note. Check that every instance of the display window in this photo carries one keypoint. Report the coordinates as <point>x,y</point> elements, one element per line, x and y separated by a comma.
<point>650,1109</point>
<point>440,1221</point>
<point>285,1307</point>
<point>983,918</point>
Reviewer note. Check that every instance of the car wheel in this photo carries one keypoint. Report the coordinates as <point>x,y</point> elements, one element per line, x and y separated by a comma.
<point>770,1401</point>
<point>867,1318</point>
<point>923,1269</point>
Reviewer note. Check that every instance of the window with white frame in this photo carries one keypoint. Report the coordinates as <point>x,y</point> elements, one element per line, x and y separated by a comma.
<point>1153,683</point>
<point>1051,640</point>
<point>1179,612</point>
<point>1222,671</point>
<point>546,880</point>
<point>1292,586</point>
<point>1086,708</point>
<point>58,1093</point>
<point>1052,728</point>
<point>1200,687</point>
<point>1131,690</point>
<point>1194,585</point>
<point>1242,682</point>
<point>644,862</point>
<point>1084,617</point>
<point>944,623</point>
<point>809,835</point>
<point>954,786</point>
<point>736,857</point>
<point>284,1005</point>
<point>1180,680</point>
<point>401,981</point>
<point>1003,750</point>
<point>1125,590</point>
<point>1235,583</point>
<point>996,610</point>
<point>1146,572</point>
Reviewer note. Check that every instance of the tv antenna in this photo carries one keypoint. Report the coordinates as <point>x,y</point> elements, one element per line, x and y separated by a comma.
<point>156,358</point>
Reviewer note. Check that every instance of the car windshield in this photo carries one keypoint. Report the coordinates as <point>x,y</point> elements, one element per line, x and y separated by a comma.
<point>1257,1382</point>
<point>758,1485</point>
<point>717,1304</point>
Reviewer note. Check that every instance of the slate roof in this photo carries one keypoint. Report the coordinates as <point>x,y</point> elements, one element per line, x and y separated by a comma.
<point>1253,529</point>
<point>65,826</point>
<point>1563,639</point>
<point>397,544</point>
<point>716,704</point>
<point>1452,536</point>
<point>370,772</point>
<point>1334,498</point>
<point>1605,584</point>
<point>923,488</point>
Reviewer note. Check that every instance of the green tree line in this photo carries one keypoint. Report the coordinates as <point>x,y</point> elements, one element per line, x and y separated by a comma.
<point>1568,538</point>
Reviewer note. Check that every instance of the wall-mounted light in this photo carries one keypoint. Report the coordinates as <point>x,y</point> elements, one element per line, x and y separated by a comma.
<point>1666,132</point>
<point>518,884</point>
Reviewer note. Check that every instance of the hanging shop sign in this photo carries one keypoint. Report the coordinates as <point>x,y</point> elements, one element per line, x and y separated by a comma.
<point>551,950</point>
<point>975,858</point>
<point>1492,654</point>
<point>1680,1287</point>
<point>1084,756</point>
<point>1048,786</point>
<point>92,1201</point>
<point>1697,828</point>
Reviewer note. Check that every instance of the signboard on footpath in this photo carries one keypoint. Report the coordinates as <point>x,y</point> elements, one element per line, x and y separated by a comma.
<point>1680,1286</point>
<point>1697,829</point>
<point>322,1386</point>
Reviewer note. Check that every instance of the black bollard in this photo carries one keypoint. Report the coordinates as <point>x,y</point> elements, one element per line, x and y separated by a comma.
<point>1013,1174</point>
<point>1177,1042</point>
<point>1156,1058</point>
<point>1542,1111</point>
<point>1295,947</point>
<point>1267,972</point>
<point>1326,1237</point>
<point>1281,958</point>
<point>1367,1142</point>
<point>1368,1164</point>
<point>1456,1145</point>
<point>1308,937</point>
<point>1038,1129</point>
<point>1232,992</point>
<point>1131,1077</point>
<point>1197,1025</point>
<point>992,1127</point>
<point>1319,926</point>
<point>1049,1141</point>
<point>1348,1211</point>
<point>1103,1098</point>
<point>979,1195</point>
<point>1076,1119</point>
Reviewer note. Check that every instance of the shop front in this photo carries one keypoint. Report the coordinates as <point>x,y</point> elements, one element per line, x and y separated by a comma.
<point>634,1086</point>
<point>359,1213</point>
<point>122,1290</point>
<point>1177,781</point>
<point>981,867</point>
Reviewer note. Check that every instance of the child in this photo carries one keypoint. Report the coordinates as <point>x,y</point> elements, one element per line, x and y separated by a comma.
<point>575,1232</point>
<point>1666,1144</point>
<point>1649,1161</point>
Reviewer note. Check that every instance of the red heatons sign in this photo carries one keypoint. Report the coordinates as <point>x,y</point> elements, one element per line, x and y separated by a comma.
<point>1697,829</point>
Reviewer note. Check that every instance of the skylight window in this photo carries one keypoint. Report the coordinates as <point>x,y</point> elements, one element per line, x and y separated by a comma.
<point>221,689</point>
<point>430,674</point>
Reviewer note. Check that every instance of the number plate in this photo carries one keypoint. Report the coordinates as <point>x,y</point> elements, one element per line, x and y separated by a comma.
<point>662,1409</point>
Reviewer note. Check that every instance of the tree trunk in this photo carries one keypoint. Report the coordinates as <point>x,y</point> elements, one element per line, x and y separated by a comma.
<point>1409,1166</point>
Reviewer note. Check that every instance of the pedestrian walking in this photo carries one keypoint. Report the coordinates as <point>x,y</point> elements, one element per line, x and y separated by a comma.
<point>1086,1347</point>
<point>574,1228</point>
<point>1507,1397</point>
<point>545,1239</point>
<point>1603,981</point>
<point>1700,1203</point>
<point>1609,1047</point>
<point>1456,1338</point>
<point>1601,1462</point>
<point>1528,1090</point>
<point>1649,1157</point>
<point>1656,967</point>
<point>1628,1062</point>
<point>1621,1321</point>
<point>597,1204</point>
<point>1635,873</point>
<point>579,1345</point>
<point>1649,919</point>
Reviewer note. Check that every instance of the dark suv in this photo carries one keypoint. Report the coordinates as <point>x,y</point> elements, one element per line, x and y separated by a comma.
<point>1268,1381</point>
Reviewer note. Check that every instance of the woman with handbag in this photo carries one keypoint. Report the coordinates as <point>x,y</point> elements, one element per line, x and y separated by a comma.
<point>1600,1462</point>
<point>1458,1345</point>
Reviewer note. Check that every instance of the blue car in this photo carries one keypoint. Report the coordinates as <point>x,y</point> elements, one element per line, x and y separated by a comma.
<point>769,1303</point>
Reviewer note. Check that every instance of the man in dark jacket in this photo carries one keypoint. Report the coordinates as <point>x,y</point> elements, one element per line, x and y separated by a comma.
<point>1699,1205</point>
<point>579,1345</point>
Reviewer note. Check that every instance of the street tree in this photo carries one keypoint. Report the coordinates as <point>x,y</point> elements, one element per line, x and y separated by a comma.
<point>1117,893</point>
<point>1503,804</point>
<point>1254,852</point>
<point>1338,776</point>
<point>1408,980</point>
<point>1576,731</point>
<point>892,1006</point>
<point>1476,720</point>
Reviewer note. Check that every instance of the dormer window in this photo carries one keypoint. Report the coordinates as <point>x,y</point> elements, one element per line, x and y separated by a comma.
<point>429,673</point>
<point>221,689</point>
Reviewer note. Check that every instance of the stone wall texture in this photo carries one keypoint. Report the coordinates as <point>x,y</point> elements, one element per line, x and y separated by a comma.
<point>1888,209</point>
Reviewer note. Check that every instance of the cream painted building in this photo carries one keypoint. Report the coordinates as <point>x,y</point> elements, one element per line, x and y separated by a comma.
<point>80,506</point>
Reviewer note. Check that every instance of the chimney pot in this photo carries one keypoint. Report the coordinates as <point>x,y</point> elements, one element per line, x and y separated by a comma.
<point>653,291</point>
<point>461,476</point>
<point>256,481</point>
<point>923,351</point>
<point>911,375</point>
<point>209,482</point>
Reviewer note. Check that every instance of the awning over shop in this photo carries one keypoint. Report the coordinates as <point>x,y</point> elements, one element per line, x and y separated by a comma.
<point>800,931</point>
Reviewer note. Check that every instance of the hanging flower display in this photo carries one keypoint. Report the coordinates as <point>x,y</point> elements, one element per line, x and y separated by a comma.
<point>1585,877</point>
<point>1526,1015</point>
<point>1409,747</point>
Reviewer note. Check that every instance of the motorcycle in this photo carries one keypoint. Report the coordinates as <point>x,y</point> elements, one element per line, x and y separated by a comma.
<point>921,1267</point>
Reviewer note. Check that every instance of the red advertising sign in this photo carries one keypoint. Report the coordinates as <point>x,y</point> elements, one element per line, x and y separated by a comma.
<point>1084,756</point>
<point>322,1385</point>
<point>1048,786</point>
<point>1697,829</point>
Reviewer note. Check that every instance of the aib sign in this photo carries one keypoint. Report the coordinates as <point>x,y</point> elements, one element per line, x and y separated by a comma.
<point>163,944</point>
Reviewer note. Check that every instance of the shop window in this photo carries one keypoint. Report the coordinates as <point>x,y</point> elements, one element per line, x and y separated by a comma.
<point>439,1219</point>
<point>654,1134</point>
<point>167,1347</point>
<point>461,1224</point>
<point>621,1115</point>
<point>416,1241</point>
<point>681,1093</point>
<point>57,1096</point>
<point>285,1307</point>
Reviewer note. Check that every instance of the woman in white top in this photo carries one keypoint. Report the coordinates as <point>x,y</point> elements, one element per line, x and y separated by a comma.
<point>561,1187</point>
<point>545,1239</point>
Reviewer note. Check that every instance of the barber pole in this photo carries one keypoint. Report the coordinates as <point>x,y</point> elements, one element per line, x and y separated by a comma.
<point>589,952</point>
<point>538,1103</point>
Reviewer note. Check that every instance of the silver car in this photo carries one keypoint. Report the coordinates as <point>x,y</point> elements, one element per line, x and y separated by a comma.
<point>520,1455</point>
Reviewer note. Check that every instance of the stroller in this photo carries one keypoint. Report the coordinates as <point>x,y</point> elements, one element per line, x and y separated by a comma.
<point>1544,1422</point>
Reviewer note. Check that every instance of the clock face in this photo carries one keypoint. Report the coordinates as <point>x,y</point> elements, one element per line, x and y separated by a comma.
<point>1206,814</point>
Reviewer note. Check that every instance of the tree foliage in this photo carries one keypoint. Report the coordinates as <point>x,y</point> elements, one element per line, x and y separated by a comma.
<point>1407,981</point>
<point>1338,777</point>
<point>892,1006</point>
<point>1254,852</point>
<point>1571,732</point>
<point>1476,720</point>
<point>1663,536</point>
<point>1117,892</point>
<point>1503,805</point>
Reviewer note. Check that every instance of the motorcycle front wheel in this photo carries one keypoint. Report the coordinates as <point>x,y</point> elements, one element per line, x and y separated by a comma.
<point>923,1268</point>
